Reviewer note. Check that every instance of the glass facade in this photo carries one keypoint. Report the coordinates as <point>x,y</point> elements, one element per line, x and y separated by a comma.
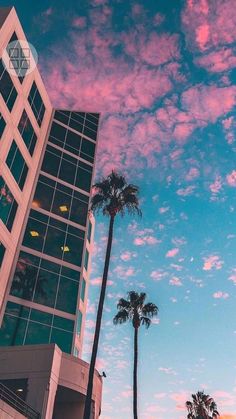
<point>17,165</point>
<point>2,253</point>
<point>85,123</point>
<point>47,283</point>
<point>83,289</point>
<point>67,168</point>
<point>61,200</point>
<point>27,132</point>
<point>7,89</point>
<point>18,60</point>
<point>36,104</point>
<point>26,326</point>
<point>72,142</point>
<point>54,238</point>
<point>8,205</point>
<point>2,125</point>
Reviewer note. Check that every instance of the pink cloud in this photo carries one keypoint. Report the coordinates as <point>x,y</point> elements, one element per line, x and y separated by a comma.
<point>186,191</point>
<point>126,256</point>
<point>79,22</point>
<point>221,294</point>
<point>172,252</point>
<point>216,186</point>
<point>192,174</point>
<point>158,275</point>
<point>218,61</point>
<point>150,240</point>
<point>176,282</point>
<point>167,370</point>
<point>212,262</point>
<point>98,281</point>
<point>231,179</point>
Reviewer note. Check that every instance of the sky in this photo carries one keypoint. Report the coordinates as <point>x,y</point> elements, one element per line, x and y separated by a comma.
<point>162,74</point>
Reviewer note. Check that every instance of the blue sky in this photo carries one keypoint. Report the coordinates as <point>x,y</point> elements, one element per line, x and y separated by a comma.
<point>162,74</point>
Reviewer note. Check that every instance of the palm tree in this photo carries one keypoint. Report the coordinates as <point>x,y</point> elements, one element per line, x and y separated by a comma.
<point>113,196</point>
<point>138,313</point>
<point>202,407</point>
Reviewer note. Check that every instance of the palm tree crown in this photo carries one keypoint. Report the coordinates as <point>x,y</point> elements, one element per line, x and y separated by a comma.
<point>114,195</point>
<point>135,310</point>
<point>202,407</point>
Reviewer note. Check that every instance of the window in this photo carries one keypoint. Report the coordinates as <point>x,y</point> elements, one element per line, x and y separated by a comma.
<point>86,260</point>
<point>27,132</point>
<point>8,205</point>
<point>61,200</point>
<point>2,253</point>
<point>17,165</point>
<point>22,326</point>
<point>89,231</point>
<point>54,238</point>
<point>2,125</point>
<point>44,282</point>
<point>18,60</point>
<point>84,123</point>
<point>36,104</point>
<point>7,88</point>
<point>83,289</point>
<point>67,168</point>
<point>79,322</point>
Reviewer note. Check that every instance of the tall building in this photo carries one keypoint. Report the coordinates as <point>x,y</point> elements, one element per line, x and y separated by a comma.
<point>46,231</point>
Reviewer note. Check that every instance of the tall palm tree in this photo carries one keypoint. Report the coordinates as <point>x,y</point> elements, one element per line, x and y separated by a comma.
<point>138,313</point>
<point>202,407</point>
<point>113,196</point>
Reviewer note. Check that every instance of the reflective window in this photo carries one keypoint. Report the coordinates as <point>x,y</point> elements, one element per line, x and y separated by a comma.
<point>22,326</point>
<point>8,205</point>
<point>86,260</point>
<point>89,231</point>
<point>2,125</point>
<point>36,103</point>
<point>67,168</point>
<point>2,253</point>
<point>61,200</point>
<point>18,60</point>
<point>54,238</point>
<point>27,132</point>
<point>7,88</point>
<point>83,289</point>
<point>85,123</point>
<point>79,322</point>
<point>17,165</point>
<point>72,141</point>
<point>44,282</point>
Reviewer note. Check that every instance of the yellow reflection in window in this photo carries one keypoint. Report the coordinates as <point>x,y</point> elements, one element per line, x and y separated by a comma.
<point>63,208</point>
<point>65,248</point>
<point>34,233</point>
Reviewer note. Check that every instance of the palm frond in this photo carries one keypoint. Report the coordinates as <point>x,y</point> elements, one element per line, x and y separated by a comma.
<point>121,317</point>
<point>145,321</point>
<point>97,202</point>
<point>150,310</point>
<point>123,304</point>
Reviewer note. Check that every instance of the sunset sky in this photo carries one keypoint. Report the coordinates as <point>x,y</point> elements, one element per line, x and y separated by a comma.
<point>162,74</point>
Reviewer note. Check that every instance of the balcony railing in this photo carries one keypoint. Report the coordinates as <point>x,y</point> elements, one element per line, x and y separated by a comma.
<point>17,403</point>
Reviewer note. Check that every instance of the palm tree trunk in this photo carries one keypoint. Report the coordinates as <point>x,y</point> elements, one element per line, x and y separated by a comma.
<point>88,401</point>
<point>135,371</point>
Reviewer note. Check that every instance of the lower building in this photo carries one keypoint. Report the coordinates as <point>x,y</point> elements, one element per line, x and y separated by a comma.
<point>49,384</point>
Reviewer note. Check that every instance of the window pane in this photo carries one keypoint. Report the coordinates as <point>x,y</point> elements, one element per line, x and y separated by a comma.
<point>73,142</point>
<point>89,231</point>
<point>62,339</point>
<point>46,288</point>
<point>17,165</point>
<point>61,204</point>
<point>54,243</point>
<point>67,295</point>
<point>83,288</point>
<point>51,162</point>
<point>37,334</point>
<point>36,104</point>
<point>7,89</point>
<point>24,280</point>
<point>34,234</point>
<point>2,124</point>
<point>79,322</point>
<point>12,331</point>
<point>84,177</point>
<point>8,205</point>
<point>75,248</point>
<point>79,211</point>
<point>17,57</point>
<point>67,171</point>
<point>57,134</point>
<point>62,116</point>
<point>41,317</point>
<point>43,196</point>
<point>62,323</point>
<point>87,150</point>
<point>2,253</point>
<point>86,260</point>
<point>27,132</point>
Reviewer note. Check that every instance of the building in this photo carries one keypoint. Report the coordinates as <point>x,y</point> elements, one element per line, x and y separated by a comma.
<point>46,232</point>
